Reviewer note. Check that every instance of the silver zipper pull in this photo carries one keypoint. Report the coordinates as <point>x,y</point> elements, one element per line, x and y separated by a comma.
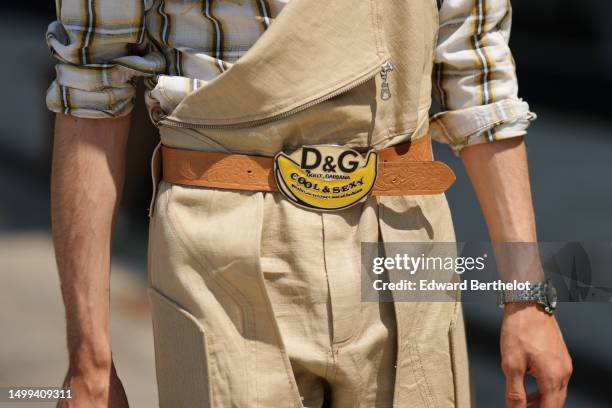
<point>385,91</point>
<point>157,115</point>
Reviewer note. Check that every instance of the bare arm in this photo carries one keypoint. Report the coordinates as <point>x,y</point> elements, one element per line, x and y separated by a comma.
<point>86,184</point>
<point>500,176</point>
<point>531,342</point>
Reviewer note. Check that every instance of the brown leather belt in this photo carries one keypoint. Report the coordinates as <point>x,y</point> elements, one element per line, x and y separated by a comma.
<point>404,169</point>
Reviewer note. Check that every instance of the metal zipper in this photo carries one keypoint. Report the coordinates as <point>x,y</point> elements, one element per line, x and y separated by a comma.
<point>385,90</point>
<point>385,94</point>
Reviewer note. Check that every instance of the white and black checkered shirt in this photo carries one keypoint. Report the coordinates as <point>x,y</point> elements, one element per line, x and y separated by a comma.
<point>104,45</point>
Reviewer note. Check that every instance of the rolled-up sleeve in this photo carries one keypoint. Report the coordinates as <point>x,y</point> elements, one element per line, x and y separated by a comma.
<point>474,77</point>
<point>102,48</point>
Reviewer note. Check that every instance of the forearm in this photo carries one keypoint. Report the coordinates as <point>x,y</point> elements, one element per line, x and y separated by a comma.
<point>86,184</point>
<point>500,176</point>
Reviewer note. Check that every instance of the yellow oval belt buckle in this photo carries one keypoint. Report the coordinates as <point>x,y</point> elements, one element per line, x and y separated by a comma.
<point>326,177</point>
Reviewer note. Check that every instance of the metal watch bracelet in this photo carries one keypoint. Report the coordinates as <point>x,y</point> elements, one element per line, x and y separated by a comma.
<point>542,293</point>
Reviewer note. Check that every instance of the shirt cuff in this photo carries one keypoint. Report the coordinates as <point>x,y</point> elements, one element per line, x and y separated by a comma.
<point>480,124</point>
<point>101,89</point>
<point>106,103</point>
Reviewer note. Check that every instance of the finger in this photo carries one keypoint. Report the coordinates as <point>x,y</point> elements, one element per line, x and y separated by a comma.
<point>551,400</point>
<point>514,369</point>
<point>516,397</point>
<point>551,393</point>
<point>533,400</point>
<point>556,397</point>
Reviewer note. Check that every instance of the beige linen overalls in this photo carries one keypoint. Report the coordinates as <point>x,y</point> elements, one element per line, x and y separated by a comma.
<point>256,302</point>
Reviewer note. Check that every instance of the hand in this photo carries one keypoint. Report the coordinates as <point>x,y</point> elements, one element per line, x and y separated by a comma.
<point>98,389</point>
<point>531,343</point>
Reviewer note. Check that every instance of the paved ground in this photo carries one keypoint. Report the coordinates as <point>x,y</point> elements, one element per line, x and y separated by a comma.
<point>32,336</point>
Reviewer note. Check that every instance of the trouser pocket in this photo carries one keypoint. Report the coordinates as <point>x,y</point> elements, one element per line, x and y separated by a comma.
<point>181,355</point>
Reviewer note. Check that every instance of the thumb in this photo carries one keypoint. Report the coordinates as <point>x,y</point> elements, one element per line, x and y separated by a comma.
<point>516,396</point>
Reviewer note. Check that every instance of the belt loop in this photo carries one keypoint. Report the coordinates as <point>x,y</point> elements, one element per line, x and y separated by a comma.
<point>155,175</point>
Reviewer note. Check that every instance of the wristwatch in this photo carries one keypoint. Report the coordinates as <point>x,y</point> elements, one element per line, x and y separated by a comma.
<point>543,293</point>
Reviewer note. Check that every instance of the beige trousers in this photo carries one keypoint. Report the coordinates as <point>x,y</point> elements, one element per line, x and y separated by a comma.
<point>257,303</point>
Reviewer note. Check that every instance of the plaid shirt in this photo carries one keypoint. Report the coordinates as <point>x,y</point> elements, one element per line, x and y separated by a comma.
<point>104,45</point>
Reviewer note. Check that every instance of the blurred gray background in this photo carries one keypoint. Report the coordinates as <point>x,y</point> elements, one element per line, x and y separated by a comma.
<point>563,51</point>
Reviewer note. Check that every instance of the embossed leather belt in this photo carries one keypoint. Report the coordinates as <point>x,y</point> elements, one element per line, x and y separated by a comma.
<point>404,169</point>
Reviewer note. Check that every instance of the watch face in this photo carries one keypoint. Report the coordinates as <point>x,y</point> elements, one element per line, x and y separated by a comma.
<point>551,295</point>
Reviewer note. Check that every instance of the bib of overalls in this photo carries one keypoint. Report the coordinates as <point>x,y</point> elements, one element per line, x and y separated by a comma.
<point>315,76</point>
